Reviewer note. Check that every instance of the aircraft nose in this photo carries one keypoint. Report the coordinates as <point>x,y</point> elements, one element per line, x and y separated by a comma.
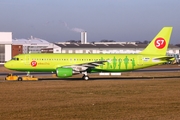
<point>7,65</point>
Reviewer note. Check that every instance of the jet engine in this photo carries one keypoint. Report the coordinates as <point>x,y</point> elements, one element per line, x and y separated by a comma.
<point>64,72</point>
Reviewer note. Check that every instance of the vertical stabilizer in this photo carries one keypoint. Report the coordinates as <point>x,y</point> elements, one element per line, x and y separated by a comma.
<point>159,45</point>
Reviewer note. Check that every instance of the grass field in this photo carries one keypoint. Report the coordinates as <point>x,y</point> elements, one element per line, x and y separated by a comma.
<point>142,99</point>
<point>97,99</point>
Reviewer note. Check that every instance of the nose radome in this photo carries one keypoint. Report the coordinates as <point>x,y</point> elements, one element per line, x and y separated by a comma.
<point>7,65</point>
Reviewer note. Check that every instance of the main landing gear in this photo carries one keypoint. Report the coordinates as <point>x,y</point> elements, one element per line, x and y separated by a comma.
<point>85,76</point>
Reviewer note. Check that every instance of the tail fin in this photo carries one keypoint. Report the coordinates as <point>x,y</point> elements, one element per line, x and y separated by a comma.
<point>159,45</point>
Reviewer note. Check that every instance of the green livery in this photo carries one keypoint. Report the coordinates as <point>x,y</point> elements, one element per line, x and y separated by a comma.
<point>65,65</point>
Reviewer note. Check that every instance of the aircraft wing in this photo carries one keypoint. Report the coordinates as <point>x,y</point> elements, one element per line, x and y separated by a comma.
<point>84,66</point>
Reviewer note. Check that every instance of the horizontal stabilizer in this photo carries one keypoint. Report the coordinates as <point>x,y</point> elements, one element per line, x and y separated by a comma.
<point>166,58</point>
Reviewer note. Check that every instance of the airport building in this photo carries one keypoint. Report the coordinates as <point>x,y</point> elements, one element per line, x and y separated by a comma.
<point>106,48</point>
<point>32,45</point>
<point>10,47</point>
<point>5,46</point>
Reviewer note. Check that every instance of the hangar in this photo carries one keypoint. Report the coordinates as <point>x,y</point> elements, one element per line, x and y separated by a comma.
<point>5,46</point>
<point>104,48</point>
<point>100,47</point>
<point>10,47</point>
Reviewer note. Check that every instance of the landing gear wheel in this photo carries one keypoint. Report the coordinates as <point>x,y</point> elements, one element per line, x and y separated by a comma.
<point>85,77</point>
<point>19,78</point>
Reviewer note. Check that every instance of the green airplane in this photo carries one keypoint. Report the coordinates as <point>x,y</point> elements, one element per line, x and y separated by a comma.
<point>65,65</point>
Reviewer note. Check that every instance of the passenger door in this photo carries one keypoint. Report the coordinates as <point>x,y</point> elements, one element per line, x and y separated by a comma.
<point>140,60</point>
<point>27,59</point>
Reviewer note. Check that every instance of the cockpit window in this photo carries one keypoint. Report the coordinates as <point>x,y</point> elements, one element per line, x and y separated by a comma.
<point>17,59</point>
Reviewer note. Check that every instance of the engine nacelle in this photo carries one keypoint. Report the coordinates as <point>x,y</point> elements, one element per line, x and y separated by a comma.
<point>64,72</point>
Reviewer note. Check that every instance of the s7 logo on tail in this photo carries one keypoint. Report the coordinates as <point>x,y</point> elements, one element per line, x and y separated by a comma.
<point>160,43</point>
